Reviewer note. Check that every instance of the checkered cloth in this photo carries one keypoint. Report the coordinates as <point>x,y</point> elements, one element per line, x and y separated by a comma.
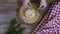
<point>51,24</point>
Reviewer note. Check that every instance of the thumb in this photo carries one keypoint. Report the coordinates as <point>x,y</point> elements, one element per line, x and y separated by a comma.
<point>41,7</point>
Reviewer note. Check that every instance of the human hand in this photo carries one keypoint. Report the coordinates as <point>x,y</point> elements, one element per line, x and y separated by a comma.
<point>26,3</point>
<point>43,4</point>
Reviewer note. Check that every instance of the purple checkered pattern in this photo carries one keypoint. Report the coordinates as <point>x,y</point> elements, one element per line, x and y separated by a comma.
<point>51,23</point>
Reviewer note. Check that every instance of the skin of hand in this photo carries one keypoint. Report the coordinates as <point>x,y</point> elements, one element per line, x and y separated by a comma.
<point>43,4</point>
<point>26,3</point>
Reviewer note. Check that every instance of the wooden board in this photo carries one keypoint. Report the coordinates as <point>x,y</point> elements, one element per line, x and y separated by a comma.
<point>8,10</point>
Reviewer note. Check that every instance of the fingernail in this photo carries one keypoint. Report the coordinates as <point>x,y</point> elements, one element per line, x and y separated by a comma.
<point>42,6</point>
<point>28,4</point>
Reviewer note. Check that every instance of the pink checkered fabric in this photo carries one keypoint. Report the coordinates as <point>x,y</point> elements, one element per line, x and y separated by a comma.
<point>51,24</point>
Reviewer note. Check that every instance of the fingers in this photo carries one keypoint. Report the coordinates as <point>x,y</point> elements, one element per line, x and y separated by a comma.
<point>26,3</point>
<point>41,7</point>
<point>43,4</point>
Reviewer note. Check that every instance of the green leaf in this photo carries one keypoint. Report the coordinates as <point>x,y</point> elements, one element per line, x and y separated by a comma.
<point>13,21</point>
<point>12,29</point>
<point>18,25</point>
<point>20,31</point>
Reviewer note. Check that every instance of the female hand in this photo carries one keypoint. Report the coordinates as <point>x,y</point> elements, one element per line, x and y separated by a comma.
<point>43,4</point>
<point>26,3</point>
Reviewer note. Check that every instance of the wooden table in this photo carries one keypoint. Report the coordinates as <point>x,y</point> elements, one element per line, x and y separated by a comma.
<point>8,10</point>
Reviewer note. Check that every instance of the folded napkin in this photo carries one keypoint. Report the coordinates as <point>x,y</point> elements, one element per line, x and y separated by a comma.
<point>51,22</point>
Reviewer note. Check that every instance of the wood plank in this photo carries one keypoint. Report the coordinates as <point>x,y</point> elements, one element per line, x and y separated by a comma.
<point>8,1</point>
<point>5,17</point>
<point>3,28</point>
<point>7,7</point>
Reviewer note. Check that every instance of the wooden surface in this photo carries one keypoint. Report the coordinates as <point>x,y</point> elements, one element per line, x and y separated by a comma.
<point>8,10</point>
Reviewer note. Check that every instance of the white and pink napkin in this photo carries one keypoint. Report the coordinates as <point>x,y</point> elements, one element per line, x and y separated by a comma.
<point>51,22</point>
